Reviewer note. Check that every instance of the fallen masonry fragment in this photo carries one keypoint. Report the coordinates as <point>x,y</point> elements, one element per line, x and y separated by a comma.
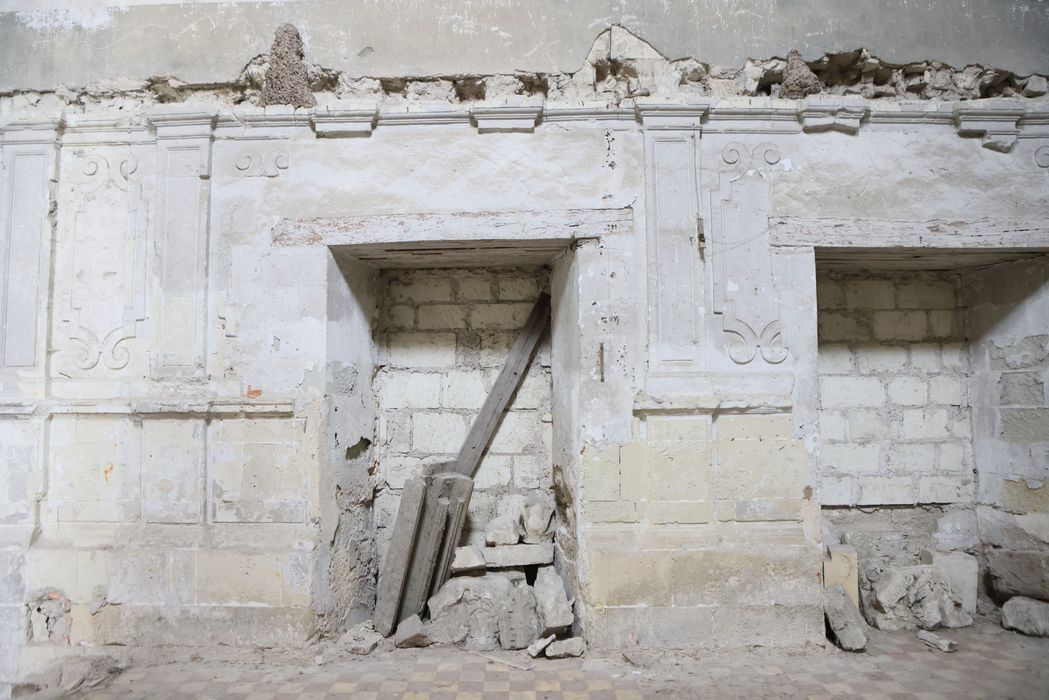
<point>844,619</point>
<point>1026,615</point>
<point>911,597</point>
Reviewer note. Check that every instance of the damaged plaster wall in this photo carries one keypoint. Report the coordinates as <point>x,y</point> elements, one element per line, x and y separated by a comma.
<point>63,42</point>
<point>446,336</point>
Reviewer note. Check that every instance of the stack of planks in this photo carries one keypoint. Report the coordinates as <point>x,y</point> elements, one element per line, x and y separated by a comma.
<point>433,505</point>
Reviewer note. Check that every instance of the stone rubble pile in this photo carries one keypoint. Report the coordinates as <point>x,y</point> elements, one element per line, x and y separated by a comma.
<point>1021,580</point>
<point>488,603</point>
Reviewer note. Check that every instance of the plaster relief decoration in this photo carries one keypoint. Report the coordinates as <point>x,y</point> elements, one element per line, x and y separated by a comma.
<point>743,291</point>
<point>1041,157</point>
<point>106,256</point>
<point>262,159</point>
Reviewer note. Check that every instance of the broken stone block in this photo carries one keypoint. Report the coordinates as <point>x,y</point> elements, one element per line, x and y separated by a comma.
<point>555,613</point>
<point>537,518</point>
<point>1019,574</point>
<point>467,609</point>
<point>1026,615</point>
<point>411,633</point>
<point>938,642</point>
<point>841,568</point>
<point>519,555</point>
<point>467,559</point>
<point>911,597</point>
<point>844,618</point>
<point>565,648</point>
<point>361,639</point>
<point>538,646</point>
<point>961,570</point>
<point>502,531</point>
<point>519,621</point>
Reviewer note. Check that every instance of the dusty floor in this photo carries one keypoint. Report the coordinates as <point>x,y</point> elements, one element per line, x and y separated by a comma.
<point>990,663</point>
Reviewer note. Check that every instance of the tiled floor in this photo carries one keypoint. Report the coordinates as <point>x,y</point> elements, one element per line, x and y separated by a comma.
<point>990,663</point>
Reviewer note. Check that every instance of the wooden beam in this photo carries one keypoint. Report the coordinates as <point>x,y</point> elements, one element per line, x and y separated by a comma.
<point>398,556</point>
<point>487,422</point>
<point>936,233</point>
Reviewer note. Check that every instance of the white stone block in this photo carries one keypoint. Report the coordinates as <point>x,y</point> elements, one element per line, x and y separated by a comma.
<point>421,349</point>
<point>870,294</point>
<point>926,357</point>
<point>953,457</point>
<point>519,432</point>
<point>907,391</point>
<point>397,389</point>
<point>851,458</point>
<point>926,424</point>
<point>945,489</point>
<point>495,471</point>
<point>835,358</point>
<point>509,316</point>
<point>886,490</point>
<point>832,426</point>
<point>401,317</point>
<point>420,290</point>
<point>911,459</point>
<point>868,425</point>
<point>839,490</point>
<point>475,289</point>
<point>926,295</point>
<point>441,317</point>
<point>881,358</point>
<point>532,472</point>
<point>518,288</point>
<point>463,389</point>
<point>961,570</point>
<point>438,433</point>
<point>946,390</point>
<point>848,392</point>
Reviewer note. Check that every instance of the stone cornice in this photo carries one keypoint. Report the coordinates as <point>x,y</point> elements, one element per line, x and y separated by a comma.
<point>998,123</point>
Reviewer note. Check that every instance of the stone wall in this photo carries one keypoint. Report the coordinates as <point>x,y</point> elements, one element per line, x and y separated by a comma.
<point>895,424</point>
<point>445,338</point>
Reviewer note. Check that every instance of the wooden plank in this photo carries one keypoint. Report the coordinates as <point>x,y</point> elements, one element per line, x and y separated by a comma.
<point>398,556</point>
<point>487,422</point>
<point>459,503</point>
<point>935,233</point>
<point>432,525</point>
<point>461,226</point>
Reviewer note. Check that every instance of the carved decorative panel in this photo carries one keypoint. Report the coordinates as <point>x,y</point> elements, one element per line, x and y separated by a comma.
<point>105,261</point>
<point>744,296</point>
<point>184,165</point>
<point>23,232</point>
<point>674,263</point>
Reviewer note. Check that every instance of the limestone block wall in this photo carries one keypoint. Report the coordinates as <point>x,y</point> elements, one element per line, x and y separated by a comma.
<point>445,338</point>
<point>1008,315</point>
<point>699,534</point>
<point>895,421</point>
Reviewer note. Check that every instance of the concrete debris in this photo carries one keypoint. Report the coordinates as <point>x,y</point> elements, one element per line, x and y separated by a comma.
<point>50,619</point>
<point>287,81</point>
<point>519,555</point>
<point>636,656</point>
<point>841,568</point>
<point>467,609</point>
<point>844,619</point>
<point>555,612</point>
<point>537,518</point>
<point>910,597</point>
<point>72,674</point>
<point>505,530</point>
<point>1026,615</point>
<point>361,639</point>
<point>566,648</point>
<point>1035,86</point>
<point>1019,574</point>
<point>798,79</point>
<point>537,647</point>
<point>467,559</point>
<point>412,633</point>
<point>938,642</point>
<point>961,570</point>
<point>519,621</point>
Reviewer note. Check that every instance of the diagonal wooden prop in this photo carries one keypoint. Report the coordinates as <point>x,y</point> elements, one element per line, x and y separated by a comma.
<point>433,506</point>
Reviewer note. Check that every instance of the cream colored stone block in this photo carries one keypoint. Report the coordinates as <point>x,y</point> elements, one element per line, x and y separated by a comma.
<point>610,511</point>
<point>518,288</point>
<point>260,430</point>
<point>421,290</point>
<point>760,469</point>
<point>499,316</point>
<point>671,512</point>
<point>172,470</point>
<point>236,578</point>
<point>754,427</point>
<point>841,568</point>
<point>438,433</point>
<point>870,294</point>
<point>421,349</point>
<point>50,568</point>
<point>441,317</point>
<point>296,579</point>
<point>679,428</point>
<point>520,431</point>
<point>629,578</point>
<point>678,470</point>
<point>601,474</point>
